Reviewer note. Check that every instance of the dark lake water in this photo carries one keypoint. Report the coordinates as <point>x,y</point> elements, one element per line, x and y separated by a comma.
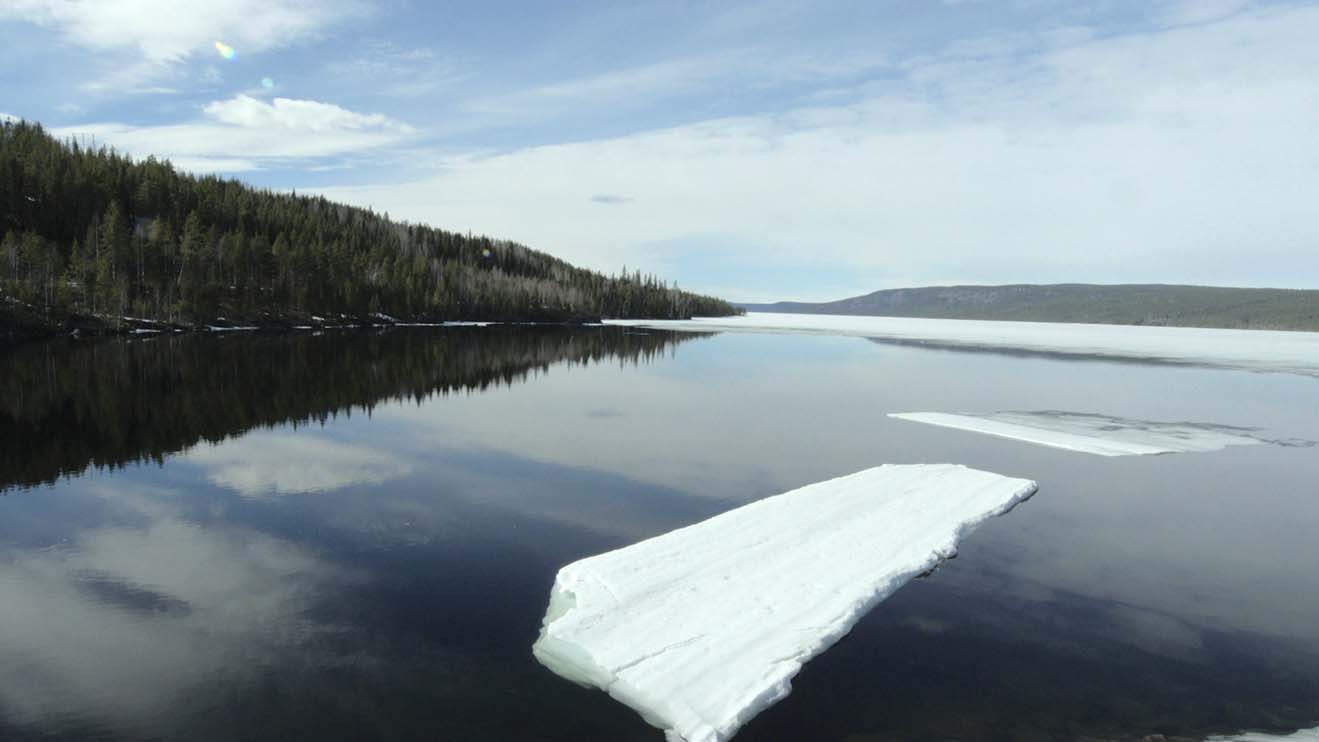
<point>353,537</point>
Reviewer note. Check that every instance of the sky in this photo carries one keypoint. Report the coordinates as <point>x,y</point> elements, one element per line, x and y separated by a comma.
<point>761,151</point>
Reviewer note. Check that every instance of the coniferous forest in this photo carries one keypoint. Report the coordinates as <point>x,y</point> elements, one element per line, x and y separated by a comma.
<point>90,232</point>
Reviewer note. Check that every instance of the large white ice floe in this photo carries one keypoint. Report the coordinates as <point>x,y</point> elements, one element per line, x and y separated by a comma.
<point>1305,735</point>
<point>1261,350</point>
<point>701,628</point>
<point>1097,434</point>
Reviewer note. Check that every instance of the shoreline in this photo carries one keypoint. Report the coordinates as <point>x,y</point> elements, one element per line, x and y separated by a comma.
<point>18,329</point>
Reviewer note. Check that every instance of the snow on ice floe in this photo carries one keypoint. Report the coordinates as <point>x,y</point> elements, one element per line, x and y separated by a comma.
<point>1096,434</point>
<point>702,628</point>
<point>1305,735</point>
<point>1258,350</point>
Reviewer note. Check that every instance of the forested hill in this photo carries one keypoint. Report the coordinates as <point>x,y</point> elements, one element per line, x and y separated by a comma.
<point>91,232</point>
<point>1132,304</point>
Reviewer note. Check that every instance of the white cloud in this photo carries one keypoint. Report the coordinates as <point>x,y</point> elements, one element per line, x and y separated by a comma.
<point>8,118</point>
<point>298,115</point>
<point>1187,12</point>
<point>244,133</point>
<point>142,41</point>
<point>172,31</point>
<point>398,72</point>
<point>1185,154</point>
<point>620,86</point>
<point>641,86</point>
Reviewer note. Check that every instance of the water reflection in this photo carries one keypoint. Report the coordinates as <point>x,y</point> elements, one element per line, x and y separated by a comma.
<point>182,601</point>
<point>125,624</point>
<point>282,463</point>
<point>70,405</point>
<point>381,575</point>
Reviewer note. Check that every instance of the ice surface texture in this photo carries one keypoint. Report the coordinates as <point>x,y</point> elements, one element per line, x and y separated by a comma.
<point>1260,350</point>
<point>701,628</point>
<point>1097,434</point>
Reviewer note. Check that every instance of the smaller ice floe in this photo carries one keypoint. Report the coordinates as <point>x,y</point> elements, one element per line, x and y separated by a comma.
<point>1305,735</point>
<point>702,628</point>
<point>1097,434</point>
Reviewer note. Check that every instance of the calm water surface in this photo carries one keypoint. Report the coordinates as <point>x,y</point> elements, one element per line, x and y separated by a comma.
<point>353,537</point>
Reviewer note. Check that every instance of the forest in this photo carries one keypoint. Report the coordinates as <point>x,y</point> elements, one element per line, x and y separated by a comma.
<point>91,232</point>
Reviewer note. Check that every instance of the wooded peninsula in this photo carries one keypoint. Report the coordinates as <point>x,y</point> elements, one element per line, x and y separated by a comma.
<point>92,238</point>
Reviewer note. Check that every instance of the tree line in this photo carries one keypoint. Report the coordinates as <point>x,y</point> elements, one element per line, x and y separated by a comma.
<point>91,231</point>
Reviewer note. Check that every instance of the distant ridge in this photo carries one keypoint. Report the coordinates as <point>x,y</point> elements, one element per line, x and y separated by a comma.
<point>1120,304</point>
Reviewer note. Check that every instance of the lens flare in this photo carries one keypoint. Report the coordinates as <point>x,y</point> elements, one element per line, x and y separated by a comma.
<point>267,83</point>
<point>224,50</point>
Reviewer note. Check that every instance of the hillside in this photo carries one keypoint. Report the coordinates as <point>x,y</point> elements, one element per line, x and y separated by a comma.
<point>1131,304</point>
<point>91,235</point>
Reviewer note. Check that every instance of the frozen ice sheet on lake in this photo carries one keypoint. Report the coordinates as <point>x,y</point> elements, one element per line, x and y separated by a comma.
<point>1096,434</point>
<point>1259,350</point>
<point>1305,735</point>
<point>701,628</point>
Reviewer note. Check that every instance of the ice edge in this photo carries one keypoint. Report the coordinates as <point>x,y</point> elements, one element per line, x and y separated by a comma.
<point>576,664</point>
<point>1124,443</point>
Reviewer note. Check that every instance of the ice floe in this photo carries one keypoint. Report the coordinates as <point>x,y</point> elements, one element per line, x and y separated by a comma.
<point>701,628</point>
<point>1305,735</point>
<point>1096,434</point>
<point>1260,350</point>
